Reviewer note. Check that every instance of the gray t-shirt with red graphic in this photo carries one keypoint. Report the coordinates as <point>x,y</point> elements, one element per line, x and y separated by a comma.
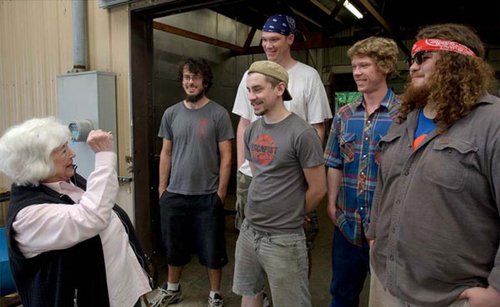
<point>280,152</point>
<point>195,136</point>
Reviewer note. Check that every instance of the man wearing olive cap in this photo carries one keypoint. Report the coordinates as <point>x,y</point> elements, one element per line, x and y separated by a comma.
<point>289,180</point>
<point>310,102</point>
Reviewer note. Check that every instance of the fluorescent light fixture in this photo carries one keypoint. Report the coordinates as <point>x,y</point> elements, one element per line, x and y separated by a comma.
<point>353,9</point>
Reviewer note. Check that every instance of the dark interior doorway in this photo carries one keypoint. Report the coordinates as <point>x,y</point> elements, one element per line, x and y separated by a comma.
<point>145,115</point>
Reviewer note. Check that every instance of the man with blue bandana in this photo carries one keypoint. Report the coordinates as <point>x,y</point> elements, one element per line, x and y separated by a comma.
<point>282,24</point>
<point>310,102</point>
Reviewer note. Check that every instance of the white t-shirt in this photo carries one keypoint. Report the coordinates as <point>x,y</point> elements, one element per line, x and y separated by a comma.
<point>310,101</point>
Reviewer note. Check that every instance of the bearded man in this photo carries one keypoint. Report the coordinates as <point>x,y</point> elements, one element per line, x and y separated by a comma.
<point>435,223</point>
<point>195,166</point>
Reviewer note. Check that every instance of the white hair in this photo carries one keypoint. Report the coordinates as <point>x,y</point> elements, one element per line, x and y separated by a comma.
<point>25,149</point>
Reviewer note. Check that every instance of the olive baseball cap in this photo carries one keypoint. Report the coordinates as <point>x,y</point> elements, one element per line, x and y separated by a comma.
<point>274,70</point>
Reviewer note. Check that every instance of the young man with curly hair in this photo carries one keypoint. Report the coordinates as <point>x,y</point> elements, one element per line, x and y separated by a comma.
<point>435,223</point>
<point>349,154</point>
<point>195,165</point>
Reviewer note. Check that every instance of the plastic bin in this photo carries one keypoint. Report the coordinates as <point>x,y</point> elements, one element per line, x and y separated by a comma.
<point>6,281</point>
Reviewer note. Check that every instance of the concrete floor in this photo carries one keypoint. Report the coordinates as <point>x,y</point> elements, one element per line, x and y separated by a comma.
<point>194,279</point>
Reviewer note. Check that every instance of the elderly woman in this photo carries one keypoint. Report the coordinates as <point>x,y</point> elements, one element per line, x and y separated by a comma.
<point>67,239</point>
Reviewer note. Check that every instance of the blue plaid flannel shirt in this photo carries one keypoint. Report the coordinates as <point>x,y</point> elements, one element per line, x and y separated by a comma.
<point>351,147</point>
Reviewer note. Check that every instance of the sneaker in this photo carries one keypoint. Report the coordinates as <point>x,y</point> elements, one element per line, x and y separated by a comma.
<point>217,301</point>
<point>167,297</point>
<point>265,300</point>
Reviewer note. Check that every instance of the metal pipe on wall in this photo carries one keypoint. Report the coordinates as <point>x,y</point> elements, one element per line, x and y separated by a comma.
<point>79,35</point>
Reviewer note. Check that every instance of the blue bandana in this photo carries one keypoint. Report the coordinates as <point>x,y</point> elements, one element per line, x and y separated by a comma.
<point>281,24</point>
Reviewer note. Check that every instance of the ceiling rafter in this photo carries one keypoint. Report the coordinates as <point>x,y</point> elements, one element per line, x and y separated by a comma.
<point>202,38</point>
<point>337,8</point>
<point>381,20</point>
<point>330,19</point>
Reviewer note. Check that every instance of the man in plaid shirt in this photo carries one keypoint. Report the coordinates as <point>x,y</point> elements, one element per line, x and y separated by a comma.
<point>352,170</point>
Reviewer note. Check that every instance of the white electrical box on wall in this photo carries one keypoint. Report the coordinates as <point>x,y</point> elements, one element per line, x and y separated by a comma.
<point>86,101</point>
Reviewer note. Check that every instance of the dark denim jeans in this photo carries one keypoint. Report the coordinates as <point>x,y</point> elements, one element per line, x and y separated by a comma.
<point>350,264</point>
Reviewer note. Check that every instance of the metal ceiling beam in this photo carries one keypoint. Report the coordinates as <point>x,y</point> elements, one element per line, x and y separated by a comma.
<point>381,20</point>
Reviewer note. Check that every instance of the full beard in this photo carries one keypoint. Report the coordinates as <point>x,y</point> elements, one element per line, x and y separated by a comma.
<point>416,96</point>
<point>195,98</point>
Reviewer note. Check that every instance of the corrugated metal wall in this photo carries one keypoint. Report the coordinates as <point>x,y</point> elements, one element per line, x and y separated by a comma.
<point>36,46</point>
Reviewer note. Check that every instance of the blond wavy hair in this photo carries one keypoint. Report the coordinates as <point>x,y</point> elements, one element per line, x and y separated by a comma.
<point>383,50</point>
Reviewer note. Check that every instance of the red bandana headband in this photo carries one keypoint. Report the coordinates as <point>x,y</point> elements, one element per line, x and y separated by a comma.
<point>432,44</point>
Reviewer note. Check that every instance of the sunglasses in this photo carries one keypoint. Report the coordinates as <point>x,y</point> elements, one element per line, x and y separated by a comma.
<point>419,57</point>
